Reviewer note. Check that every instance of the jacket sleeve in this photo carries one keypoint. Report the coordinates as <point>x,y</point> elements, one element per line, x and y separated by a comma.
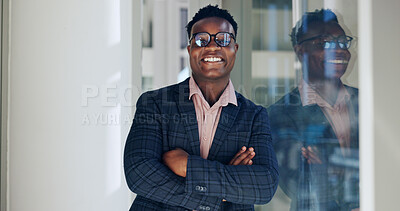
<point>243,184</point>
<point>287,143</point>
<point>145,173</point>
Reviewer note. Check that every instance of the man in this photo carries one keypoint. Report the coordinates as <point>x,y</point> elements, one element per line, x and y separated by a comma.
<point>199,145</point>
<point>315,127</point>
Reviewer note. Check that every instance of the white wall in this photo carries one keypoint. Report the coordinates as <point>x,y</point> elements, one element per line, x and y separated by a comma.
<point>379,103</point>
<point>60,157</point>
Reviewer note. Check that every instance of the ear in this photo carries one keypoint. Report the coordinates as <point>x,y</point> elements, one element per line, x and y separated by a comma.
<point>299,50</point>
<point>236,47</point>
<point>188,48</point>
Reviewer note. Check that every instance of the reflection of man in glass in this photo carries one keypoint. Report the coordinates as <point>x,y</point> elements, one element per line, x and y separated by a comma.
<point>186,148</point>
<point>315,127</point>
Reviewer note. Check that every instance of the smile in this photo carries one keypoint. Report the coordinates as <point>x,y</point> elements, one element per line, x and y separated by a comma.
<point>212,59</point>
<point>337,61</point>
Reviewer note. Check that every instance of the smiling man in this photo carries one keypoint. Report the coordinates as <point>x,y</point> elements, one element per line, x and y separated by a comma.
<point>199,145</point>
<point>315,127</point>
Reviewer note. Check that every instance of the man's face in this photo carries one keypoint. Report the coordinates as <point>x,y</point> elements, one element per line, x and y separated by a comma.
<point>212,63</point>
<point>320,63</point>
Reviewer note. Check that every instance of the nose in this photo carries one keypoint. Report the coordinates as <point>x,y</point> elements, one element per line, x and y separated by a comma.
<point>337,52</point>
<point>340,51</point>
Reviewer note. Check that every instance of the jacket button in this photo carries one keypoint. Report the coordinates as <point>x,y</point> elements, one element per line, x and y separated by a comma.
<point>201,207</point>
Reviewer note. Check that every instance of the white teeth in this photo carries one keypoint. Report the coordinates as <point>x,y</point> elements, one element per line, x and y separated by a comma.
<point>212,59</point>
<point>337,61</point>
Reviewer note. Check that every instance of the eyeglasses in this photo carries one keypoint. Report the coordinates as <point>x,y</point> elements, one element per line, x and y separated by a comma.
<point>329,42</point>
<point>202,39</point>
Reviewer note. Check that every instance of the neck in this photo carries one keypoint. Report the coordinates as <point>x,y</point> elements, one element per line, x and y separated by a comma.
<point>212,90</point>
<point>327,89</point>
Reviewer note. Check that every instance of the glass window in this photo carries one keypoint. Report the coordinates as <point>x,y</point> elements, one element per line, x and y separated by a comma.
<point>308,82</point>
<point>164,40</point>
<point>183,17</point>
<point>147,31</point>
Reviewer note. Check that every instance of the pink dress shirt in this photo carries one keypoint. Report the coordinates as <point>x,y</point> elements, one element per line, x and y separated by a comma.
<point>337,115</point>
<point>207,118</point>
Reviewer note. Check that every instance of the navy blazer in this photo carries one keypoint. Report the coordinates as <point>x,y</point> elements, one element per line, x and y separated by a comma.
<point>314,187</point>
<point>165,119</point>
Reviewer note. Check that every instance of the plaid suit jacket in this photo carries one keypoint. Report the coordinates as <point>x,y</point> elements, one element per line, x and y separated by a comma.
<point>165,119</point>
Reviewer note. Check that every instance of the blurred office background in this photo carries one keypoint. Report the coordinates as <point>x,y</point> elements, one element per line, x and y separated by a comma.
<point>72,71</point>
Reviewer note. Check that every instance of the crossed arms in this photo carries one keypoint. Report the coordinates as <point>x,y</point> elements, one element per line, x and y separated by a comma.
<point>202,182</point>
<point>176,159</point>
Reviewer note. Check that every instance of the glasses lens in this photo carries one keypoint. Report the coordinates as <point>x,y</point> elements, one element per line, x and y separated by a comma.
<point>344,42</point>
<point>329,44</point>
<point>320,43</point>
<point>223,39</point>
<point>341,42</point>
<point>202,39</point>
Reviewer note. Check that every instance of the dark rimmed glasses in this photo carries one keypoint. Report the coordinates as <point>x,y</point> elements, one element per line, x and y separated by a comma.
<point>329,42</point>
<point>202,39</point>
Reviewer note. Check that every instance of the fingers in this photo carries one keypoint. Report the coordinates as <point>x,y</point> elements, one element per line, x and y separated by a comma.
<point>304,152</point>
<point>243,149</point>
<point>311,154</point>
<point>243,157</point>
<point>247,160</point>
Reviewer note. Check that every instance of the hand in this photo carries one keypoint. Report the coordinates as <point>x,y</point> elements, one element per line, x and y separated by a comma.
<point>176,160</point>
<point>356,209</point>
<point>243,157</point>
<point>311,154</point>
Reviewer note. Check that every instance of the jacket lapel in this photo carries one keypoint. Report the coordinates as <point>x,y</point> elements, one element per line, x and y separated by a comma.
<point>310,116</point>
<point>188,116</point>
<point>226,121</point>
<point>353,114</point>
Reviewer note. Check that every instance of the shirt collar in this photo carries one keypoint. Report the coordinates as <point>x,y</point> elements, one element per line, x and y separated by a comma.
<point>309,96</point>
<point>228,96</point>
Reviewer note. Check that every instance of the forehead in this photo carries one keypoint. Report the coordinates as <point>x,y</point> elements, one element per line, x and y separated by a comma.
<point>212,25</point>
<point>321,28</point>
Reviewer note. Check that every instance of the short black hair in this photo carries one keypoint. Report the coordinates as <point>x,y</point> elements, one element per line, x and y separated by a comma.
<point>211,11</point>
<point>322,15</point>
